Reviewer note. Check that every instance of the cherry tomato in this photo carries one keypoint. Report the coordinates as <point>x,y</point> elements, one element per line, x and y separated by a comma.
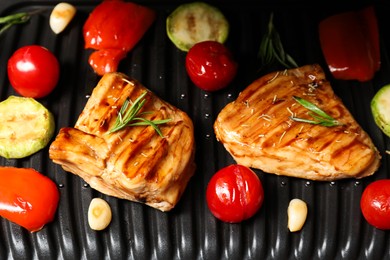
<point>33,71</point>
<point>210,65</point>
<point>234,193</point>
<point>375,204</point>
<point>27,197</point>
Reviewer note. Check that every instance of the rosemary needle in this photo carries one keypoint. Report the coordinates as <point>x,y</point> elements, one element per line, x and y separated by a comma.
<point>129,115</point>
<point>271,49</point>
<point>320,117</point>
<point>7,21</point>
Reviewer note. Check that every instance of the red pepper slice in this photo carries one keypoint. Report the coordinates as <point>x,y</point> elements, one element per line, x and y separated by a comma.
<point>350,44</point>
<point>116,27</point>
<point>27,197</point>
<point>106,60</point>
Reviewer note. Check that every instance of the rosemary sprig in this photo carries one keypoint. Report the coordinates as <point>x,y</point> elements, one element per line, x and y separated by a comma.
<point>271,49</point>
<point>7,21</point>
<point>131,116</point>
<point>320,117</point>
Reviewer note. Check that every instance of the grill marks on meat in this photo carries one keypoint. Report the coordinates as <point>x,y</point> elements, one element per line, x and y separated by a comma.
<point>257,129</point>
<point>134,163</point>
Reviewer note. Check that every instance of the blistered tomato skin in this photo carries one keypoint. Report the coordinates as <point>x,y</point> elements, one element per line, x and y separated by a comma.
<point>375,204</point>
<point>27,197</point>
<point>235,193</point>
<point>210,65</point>
<point>33,71</point>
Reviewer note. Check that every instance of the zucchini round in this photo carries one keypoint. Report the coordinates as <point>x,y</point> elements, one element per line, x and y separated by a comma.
<point>26,127</point>
<point>380,108</point>
<point>194,22</point>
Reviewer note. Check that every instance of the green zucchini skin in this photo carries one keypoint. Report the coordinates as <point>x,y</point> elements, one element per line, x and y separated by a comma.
<point>26,127</point>
<point>194,22</point>
<point>380,108</point>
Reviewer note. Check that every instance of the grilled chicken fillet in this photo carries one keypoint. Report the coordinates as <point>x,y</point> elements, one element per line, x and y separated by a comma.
<point>257,129</point>
<point>134,163</point>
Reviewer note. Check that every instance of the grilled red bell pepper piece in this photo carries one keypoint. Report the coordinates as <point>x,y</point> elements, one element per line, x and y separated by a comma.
<point>113,28</point>
<point>27,197</point>
<point>350,44</point>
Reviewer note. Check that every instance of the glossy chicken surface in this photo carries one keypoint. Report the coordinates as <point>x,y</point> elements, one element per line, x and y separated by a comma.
<point>258,129</point>
<point>134,163</point>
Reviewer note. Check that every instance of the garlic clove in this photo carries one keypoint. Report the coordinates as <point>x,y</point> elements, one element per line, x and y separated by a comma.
<point>297,214</point>
<point>99,214</point>
<point>61,16</point>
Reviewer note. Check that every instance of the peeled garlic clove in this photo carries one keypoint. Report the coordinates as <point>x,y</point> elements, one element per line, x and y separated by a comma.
<point>99,214</point>
<point>297,213</point>
<point>61,16</point>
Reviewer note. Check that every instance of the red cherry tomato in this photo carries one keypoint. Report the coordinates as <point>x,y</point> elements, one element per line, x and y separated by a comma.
<point>27,197</point>
<point>375,204</point>
<point>210,65</point>
<point>234,193</point>
<point>33,71</point>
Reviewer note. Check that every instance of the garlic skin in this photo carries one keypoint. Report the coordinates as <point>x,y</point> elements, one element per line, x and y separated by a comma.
<point>297,213</point>
<point>61,16</point>
<point>99,214</point>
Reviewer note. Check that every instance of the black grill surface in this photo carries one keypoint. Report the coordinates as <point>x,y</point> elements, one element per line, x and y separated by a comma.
<point>335,227</point>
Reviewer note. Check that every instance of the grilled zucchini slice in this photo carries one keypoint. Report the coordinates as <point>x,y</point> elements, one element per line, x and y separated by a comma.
<point>194,22</point>
<point>26,127</point>
<point>380,108</point>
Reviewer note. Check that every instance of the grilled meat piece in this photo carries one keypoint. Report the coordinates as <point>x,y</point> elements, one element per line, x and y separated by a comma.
<point>257,129</point>
<point>134,163</point>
